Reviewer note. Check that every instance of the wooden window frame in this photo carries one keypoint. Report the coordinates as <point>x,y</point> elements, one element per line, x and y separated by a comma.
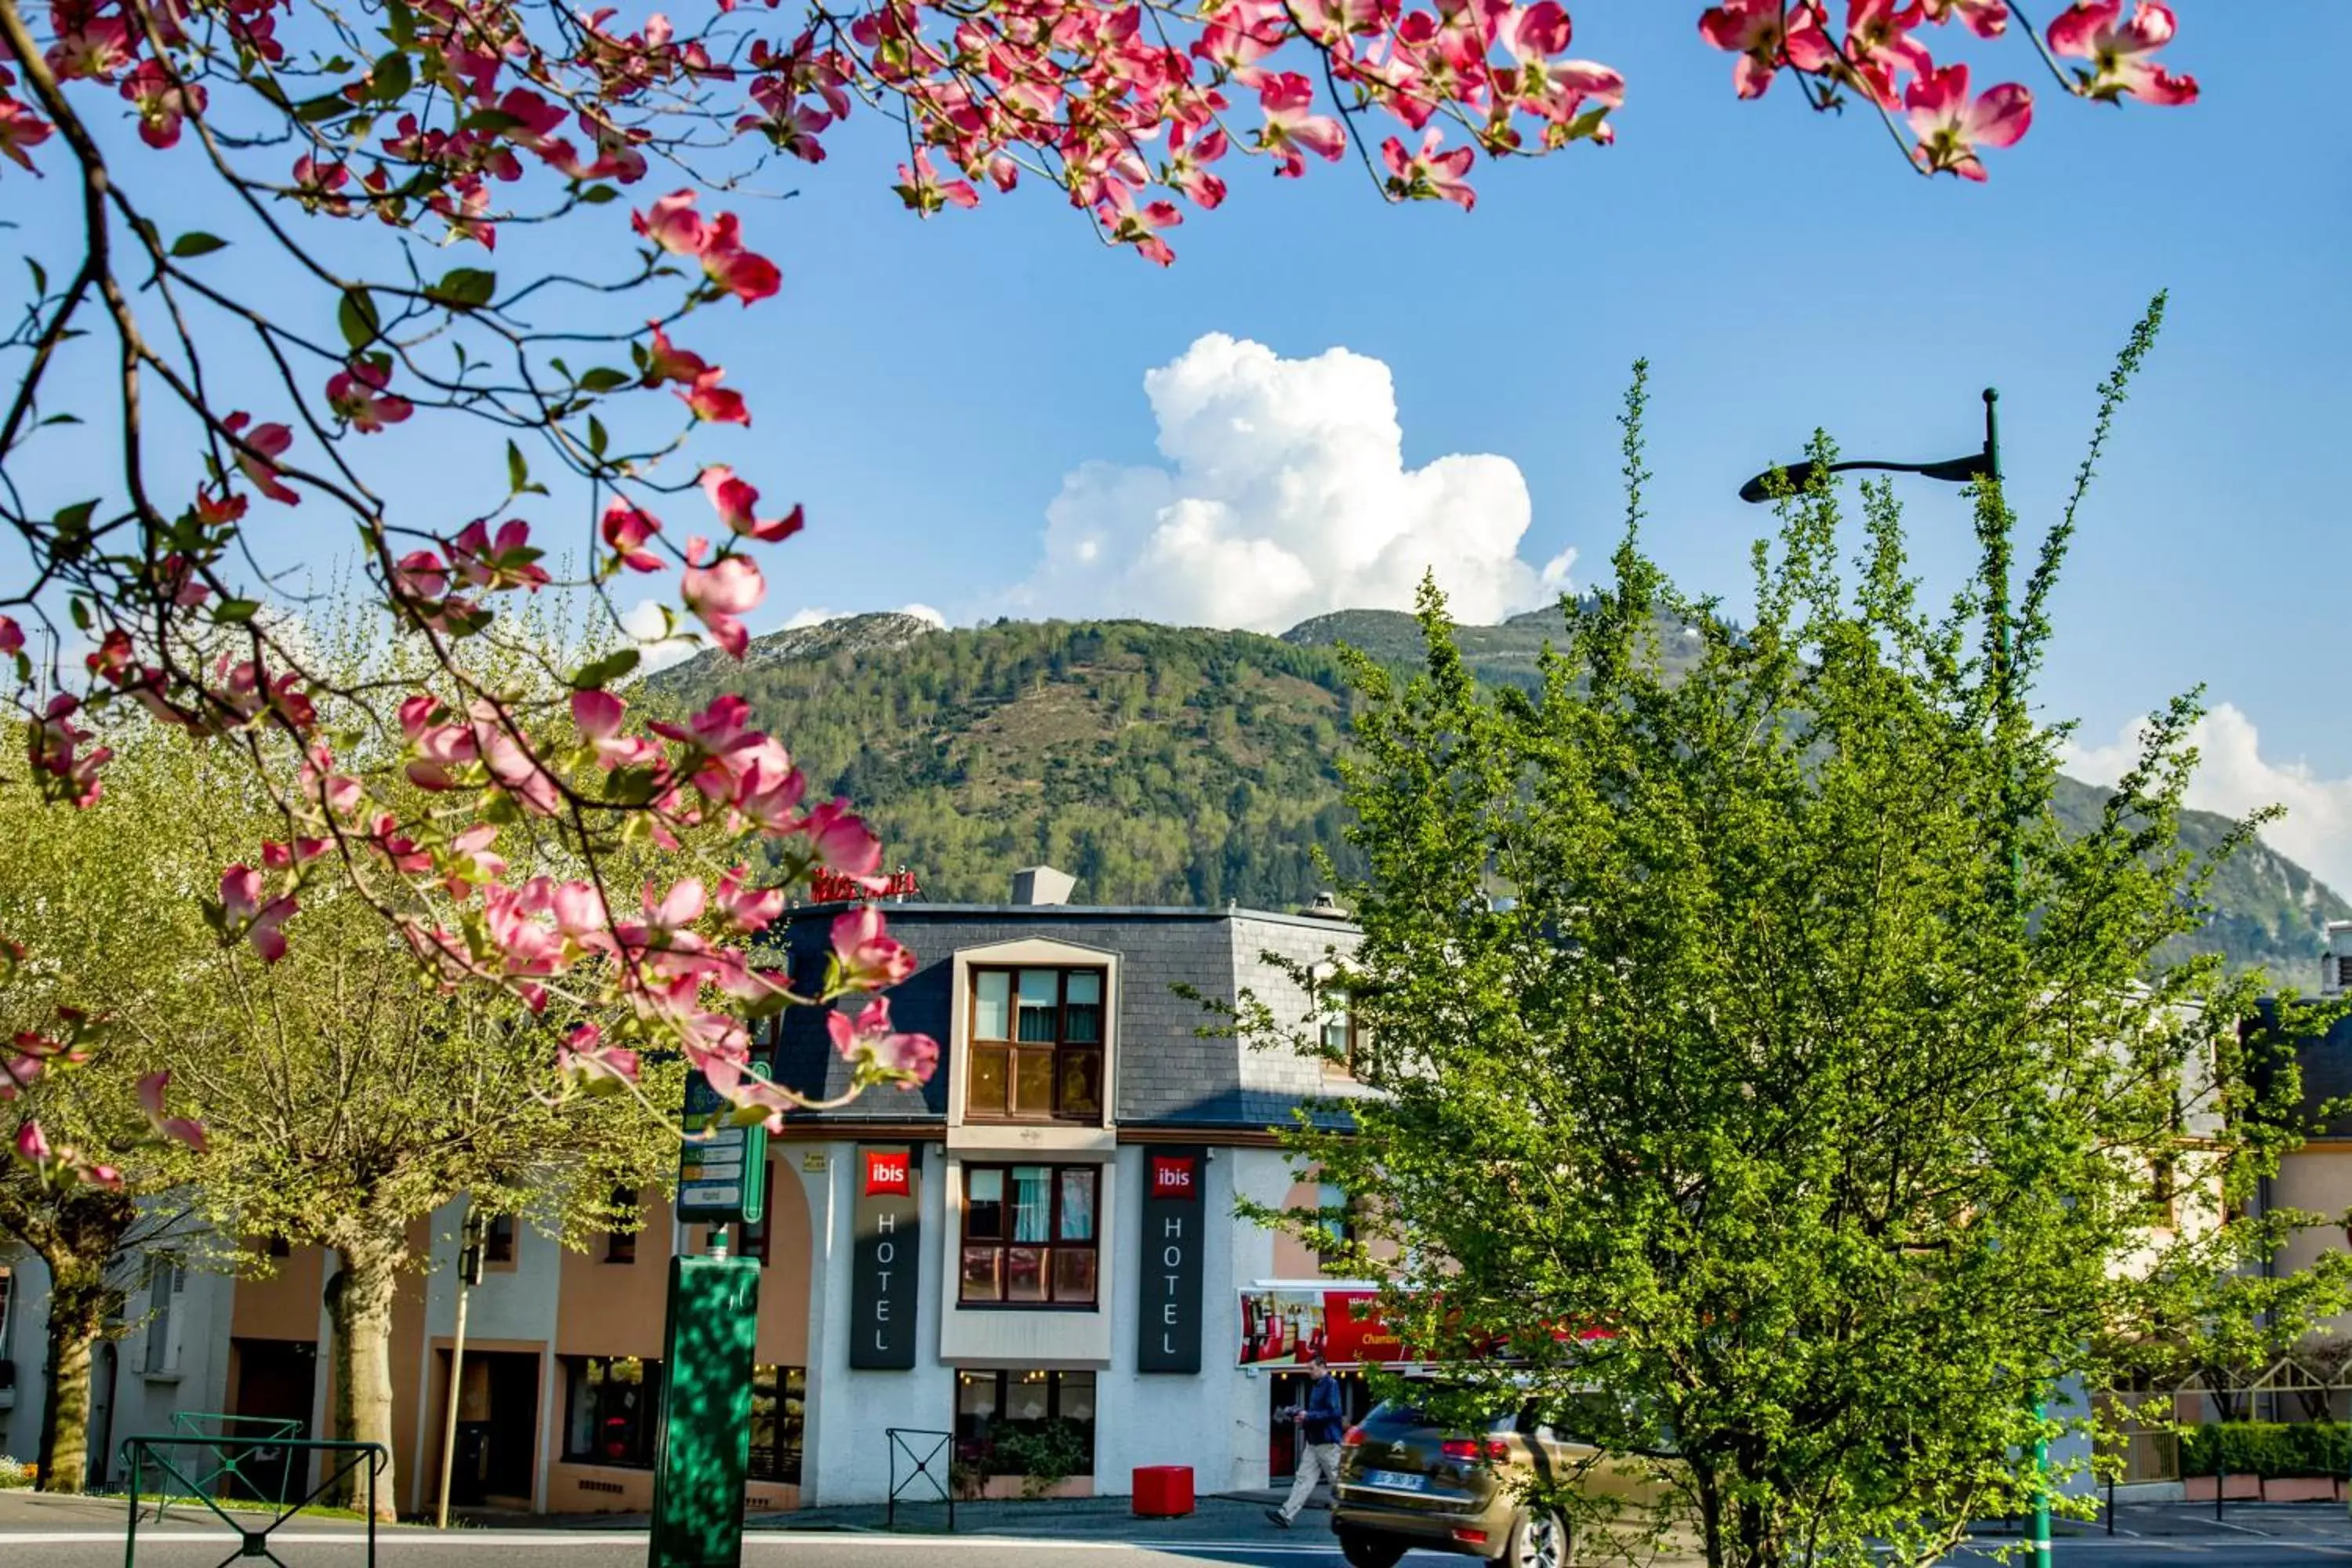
<point>1055,1243</point>
<point>1061,1048</point>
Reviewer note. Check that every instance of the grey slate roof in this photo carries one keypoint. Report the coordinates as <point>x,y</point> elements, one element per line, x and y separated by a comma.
<point>1169,1075</point>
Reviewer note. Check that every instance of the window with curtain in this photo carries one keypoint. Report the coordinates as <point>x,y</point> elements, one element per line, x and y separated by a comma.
<point>1036,1050</point>
<point>1030,1236</point>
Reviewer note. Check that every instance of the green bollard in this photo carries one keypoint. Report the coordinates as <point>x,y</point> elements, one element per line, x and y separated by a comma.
<point>704,1446</point>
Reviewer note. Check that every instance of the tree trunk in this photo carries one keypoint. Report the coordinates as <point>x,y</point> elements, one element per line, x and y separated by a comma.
<point>77,1304</point>
<point>358,1302</point>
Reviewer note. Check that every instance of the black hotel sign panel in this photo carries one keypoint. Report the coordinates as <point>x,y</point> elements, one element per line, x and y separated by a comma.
<point>883,1276</point>
<point>1175,1218</point>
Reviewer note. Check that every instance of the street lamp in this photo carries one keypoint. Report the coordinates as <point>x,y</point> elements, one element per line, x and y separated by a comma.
<point>1983,465</point>
<point>1955,470</point>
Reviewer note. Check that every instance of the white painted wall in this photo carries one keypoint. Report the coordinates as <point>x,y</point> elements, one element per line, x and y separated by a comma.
<point>846,1452</point>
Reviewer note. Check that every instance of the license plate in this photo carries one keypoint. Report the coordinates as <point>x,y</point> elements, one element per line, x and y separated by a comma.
<point>1396,1480</point>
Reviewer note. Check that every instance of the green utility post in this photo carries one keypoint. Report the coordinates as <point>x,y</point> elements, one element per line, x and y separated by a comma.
<point>704,1442</point>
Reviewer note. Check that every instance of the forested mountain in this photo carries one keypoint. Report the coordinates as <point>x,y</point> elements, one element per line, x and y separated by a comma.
<point>1163,765</point>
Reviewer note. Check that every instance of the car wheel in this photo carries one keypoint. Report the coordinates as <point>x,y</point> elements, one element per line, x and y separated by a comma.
<point>1540,1540</point>
<point>1363,1550</point>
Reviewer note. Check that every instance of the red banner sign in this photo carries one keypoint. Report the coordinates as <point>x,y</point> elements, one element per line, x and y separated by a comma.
<point>1287,1327</point>
<point>839,887</point>
<point>886,1175</point>
<point>1173,1177</point>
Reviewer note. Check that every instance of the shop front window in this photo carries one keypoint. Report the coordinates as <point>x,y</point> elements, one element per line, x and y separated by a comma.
<point>614,1404</point>
<point>1020,1423</point>
<point>779,1407</point>
<point>1036,1046</point>
<point>1029,1236</point>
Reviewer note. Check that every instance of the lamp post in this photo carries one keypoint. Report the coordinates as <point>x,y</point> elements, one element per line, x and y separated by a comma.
<point>1980,465</point>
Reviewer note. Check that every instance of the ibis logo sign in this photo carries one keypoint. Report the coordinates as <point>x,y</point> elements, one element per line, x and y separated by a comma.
<point>1174,1176</point>
<point>887,1174</point>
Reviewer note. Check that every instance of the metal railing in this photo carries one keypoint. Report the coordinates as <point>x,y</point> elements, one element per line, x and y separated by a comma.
<point>940,1452</point>
<point>246,1447</point>
<point>348,1457</point>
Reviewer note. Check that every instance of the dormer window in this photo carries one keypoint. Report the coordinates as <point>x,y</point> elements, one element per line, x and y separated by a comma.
<point>1036,1046</point>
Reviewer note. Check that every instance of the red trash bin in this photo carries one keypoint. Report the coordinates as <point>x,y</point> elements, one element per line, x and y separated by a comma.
<point>1163,1492</point>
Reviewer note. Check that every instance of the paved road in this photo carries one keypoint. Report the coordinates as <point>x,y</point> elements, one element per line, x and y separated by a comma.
<point>2252,1537</point>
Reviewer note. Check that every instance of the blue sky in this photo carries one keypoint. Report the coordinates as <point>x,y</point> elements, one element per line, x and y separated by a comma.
<point>924,387</point>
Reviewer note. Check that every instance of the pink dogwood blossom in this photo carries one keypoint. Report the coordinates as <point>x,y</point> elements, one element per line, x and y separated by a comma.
<point>247,910</point>
<point>1951,126</point>
<point>736,502</point>
<point>720,592</point>
<point>2119,51</point>
<point>868,959</point>
<point>869,1039</point>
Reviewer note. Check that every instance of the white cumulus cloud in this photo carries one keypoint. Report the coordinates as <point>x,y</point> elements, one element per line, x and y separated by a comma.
<point>644,623</point>
<point>2233,777</point>
<point>1284,495</point>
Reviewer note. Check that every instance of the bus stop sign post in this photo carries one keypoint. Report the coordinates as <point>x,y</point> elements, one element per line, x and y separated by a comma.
<point>703,1445</point>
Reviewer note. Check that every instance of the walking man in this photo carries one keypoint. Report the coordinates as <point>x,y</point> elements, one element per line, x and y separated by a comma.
<point>1320,1424</point>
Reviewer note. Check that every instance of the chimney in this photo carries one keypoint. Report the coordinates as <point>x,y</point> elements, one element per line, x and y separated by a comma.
<point>1042,885</point>
<point>1325,908</point>
<point>2336,969</point>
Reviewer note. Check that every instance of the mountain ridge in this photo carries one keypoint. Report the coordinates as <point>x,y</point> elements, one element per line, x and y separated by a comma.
<point>1188,765</point>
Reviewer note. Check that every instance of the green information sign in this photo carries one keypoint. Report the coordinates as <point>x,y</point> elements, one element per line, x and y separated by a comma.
<point>722,1167</point>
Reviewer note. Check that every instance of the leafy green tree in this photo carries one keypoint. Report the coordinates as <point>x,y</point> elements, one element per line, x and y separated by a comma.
<point>104,980</point>
<point>1812,1094</point>
<point>344,1101</point>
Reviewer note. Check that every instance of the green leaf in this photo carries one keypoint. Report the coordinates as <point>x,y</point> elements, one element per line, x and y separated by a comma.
<point>195,242</point>
<point>603,672</point>
<point>358,317</point>
<point>80,610</point>
<point>40,276</point>
<point>311,111</point>
<point>74,519</point>
<point>490,122</point>
<point>235,610</point>
<point>597,196</point>
<point>392,78</point>
<point>597,438</point>
<point>464,288</point>
<point>399,23</point>
<point>517,471</point>
<point>604,378</point>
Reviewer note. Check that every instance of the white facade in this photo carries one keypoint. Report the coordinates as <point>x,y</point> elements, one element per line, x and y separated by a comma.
<point>1217,1421</point>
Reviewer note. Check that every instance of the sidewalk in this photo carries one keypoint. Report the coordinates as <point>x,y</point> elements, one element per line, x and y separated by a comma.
<point>1227,1517</point>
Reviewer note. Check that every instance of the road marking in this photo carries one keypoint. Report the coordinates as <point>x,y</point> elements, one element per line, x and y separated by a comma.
<point>505,1538</point>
